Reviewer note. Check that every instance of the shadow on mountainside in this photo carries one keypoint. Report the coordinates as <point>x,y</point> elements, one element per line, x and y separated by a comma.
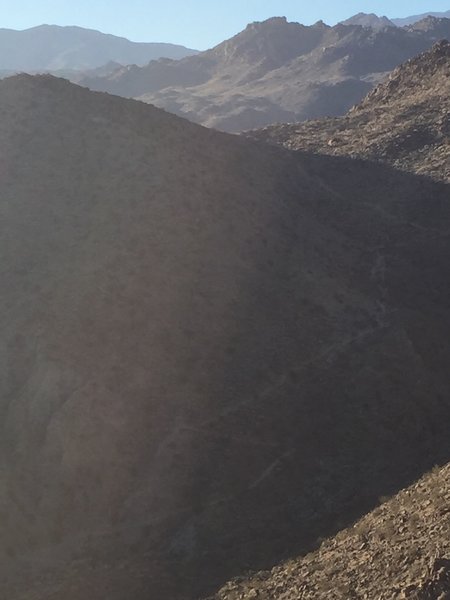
<point>203,383</point>
<point>365,411</point>
<point>332,395</point>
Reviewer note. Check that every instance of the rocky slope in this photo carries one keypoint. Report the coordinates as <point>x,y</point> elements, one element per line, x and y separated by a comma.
<point>401,550</point>
<point>404,121</point>
<point>213,351</point>
<point>274,71</point>
<point>52,48</point>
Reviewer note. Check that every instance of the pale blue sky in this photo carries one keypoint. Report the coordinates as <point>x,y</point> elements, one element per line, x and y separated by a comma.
<point>195,23</point>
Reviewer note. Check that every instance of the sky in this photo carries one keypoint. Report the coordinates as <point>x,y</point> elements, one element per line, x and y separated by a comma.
<point>197,24</point>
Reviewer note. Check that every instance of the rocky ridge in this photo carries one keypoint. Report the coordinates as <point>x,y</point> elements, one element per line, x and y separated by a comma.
<point>405,121</point>
<point>369,20</point>
<point>274,71</point>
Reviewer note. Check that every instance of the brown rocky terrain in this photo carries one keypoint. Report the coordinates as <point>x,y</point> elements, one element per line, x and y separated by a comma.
<point>275,71</point>
<point>214,351</point>
<point>405,121</point>
<point>401,550</point>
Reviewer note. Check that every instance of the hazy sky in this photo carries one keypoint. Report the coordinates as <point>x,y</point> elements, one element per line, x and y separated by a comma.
<point>195,23</point>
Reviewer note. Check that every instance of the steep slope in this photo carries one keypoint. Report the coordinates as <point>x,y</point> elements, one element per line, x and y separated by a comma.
<point>414,19</point>
<point>50,48</point>
<point>214,351</point>
<point>274,71</point>
<point>400,550</point>
<point>405,121</point>
<point>369,20</point>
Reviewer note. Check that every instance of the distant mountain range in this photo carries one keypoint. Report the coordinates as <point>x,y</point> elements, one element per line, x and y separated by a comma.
<point>410,20</point>
<point>375,21</point>
<point>52,48</point>
<point>275,71</point>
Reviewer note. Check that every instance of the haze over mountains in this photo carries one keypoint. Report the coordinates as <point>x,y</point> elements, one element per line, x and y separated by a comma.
<point>216,350</point>
<point>53,48</point>
<point>414,19</point>
<point>275,71</point>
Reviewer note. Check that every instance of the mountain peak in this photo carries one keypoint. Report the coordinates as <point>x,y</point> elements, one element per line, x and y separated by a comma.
<point>267,24</point>
<point>369,20</point>
<point>429,23</point>
<point>275,20</point>
<point>269,44</point>
<point>320,25</point>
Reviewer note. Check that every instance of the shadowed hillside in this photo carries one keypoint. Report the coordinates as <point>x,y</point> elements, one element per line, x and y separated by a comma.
<point>401,549</point>
<point>215,351</point>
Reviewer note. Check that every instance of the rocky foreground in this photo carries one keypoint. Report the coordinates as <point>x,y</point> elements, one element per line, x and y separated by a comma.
<point>401,550</point>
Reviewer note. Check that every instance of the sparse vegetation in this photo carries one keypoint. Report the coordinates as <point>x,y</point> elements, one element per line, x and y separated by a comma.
<point>139,456</point>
